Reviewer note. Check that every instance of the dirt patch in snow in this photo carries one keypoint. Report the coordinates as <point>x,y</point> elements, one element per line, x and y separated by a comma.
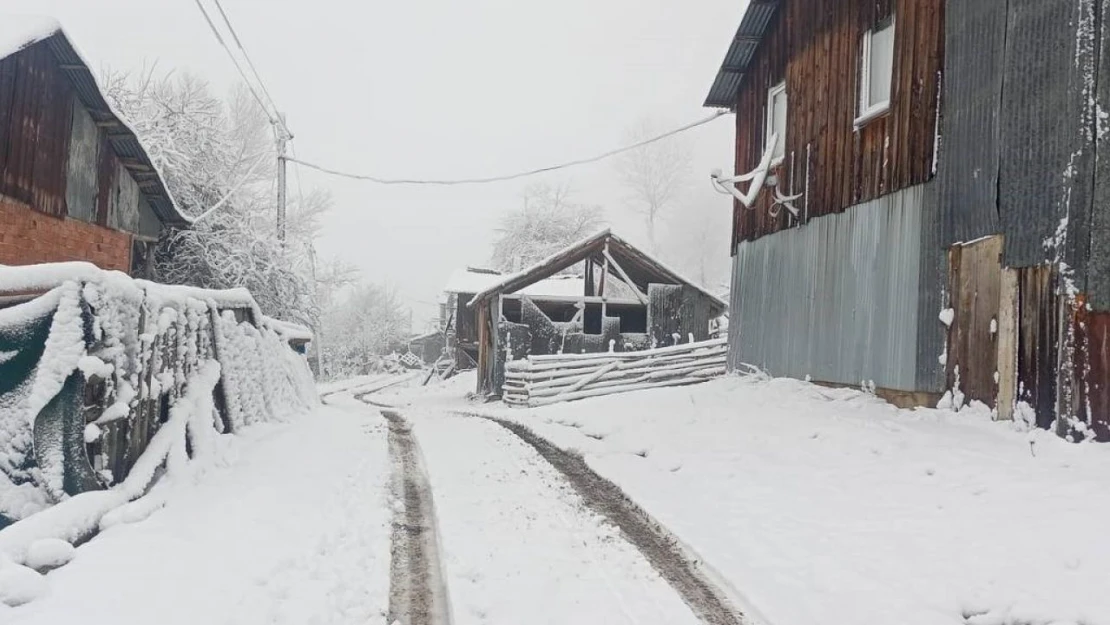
<point>417,594</point>
<point>661,549</point>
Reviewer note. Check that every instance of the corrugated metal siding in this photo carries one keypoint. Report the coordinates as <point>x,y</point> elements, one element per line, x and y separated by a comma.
<point>35,103</point>
<point>1098,270</point>
<point>933,275</point>
<point>81,183</point>
<point>838,299</point>
<point>967,171</point>
<point>1045,166</point>
<point>123,206</point>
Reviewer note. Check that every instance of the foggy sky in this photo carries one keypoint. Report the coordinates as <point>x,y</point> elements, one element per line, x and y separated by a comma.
<point>445,88</point>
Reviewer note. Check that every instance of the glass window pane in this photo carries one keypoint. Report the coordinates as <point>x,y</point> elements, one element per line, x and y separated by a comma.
<point>881,65</point>
<point>778,121</point>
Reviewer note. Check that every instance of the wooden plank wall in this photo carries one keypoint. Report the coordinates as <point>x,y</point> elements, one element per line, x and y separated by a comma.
<point>35,117</point>
<point>975,275</point>
<point>815,45</point>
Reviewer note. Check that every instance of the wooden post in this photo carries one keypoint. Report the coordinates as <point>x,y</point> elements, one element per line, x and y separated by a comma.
<point>602,293</point>
<point>1007,344</point>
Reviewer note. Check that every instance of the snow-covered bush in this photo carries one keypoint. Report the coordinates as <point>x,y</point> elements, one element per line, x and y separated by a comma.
<point>95,370</point>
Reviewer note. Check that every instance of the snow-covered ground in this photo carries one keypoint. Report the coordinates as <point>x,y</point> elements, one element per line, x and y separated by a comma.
<point>291,527</point>
<point>820,505</point>
<point>519,546</point>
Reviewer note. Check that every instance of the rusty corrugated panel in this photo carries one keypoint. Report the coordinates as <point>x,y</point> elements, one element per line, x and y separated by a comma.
<point>81,178</point>
<point>967,168</point>
<point>836,299</point>
<point>1046,161</point>
<point>36,130</point>
<point>1096,371</point>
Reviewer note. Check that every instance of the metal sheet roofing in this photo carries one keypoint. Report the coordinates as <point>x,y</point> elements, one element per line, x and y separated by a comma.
<point>641,268</point>
<point>756,19</point>
<point>18,32</point>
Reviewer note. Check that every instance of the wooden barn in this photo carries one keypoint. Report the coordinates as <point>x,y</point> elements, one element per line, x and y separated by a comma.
<point>75,181</point>
<point>626,301</point>
<point>932,215</point>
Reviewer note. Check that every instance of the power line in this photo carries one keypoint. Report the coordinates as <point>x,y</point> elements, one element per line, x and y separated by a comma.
<point>522,174</point>
<point>271,116</point>
<point>250,64</point>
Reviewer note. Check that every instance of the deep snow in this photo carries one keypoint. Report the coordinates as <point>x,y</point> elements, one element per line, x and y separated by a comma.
<point>289,525</point>
<point>820,505</point>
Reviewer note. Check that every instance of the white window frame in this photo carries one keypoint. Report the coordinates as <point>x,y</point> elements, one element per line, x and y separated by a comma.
<point>872,110</point>
<point>769,124</point>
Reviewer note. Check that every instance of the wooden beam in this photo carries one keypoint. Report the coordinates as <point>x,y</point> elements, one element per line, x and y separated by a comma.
<point>601,290</point>
<point>570,299</point>
<point>620,271</point>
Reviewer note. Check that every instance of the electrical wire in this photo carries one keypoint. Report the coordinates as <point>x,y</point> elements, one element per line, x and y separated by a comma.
<point>271,116</point>
<point>233,190</point>
<point>250,64</point>
<point>514,176</point>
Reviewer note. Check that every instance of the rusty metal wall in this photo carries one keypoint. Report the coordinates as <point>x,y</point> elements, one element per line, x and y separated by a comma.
<point>81,183</point>
<point>35,101</point>
<point>123,204</point>
<point>839,299</point>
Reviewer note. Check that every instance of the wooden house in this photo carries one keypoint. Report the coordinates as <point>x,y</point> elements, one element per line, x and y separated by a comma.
<point>931,219</point>
<point>625,301</point>
<point>75,181</point>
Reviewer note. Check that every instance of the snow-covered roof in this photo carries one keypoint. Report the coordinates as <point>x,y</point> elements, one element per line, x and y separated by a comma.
<point>19,31</point>
<point>637,266</point>
<point>288,330</point>
<point>470,281</point>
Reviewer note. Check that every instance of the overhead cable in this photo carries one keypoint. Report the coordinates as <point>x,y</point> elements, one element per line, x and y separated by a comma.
<point>250,64</point>
<point>514,176</point>
<point>266,109</point>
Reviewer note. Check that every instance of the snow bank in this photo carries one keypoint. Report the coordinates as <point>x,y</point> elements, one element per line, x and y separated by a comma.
<point>813,502</point>
<point>139,345</point>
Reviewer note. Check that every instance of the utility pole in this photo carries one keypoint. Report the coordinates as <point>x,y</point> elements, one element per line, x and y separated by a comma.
<point>283,138</point>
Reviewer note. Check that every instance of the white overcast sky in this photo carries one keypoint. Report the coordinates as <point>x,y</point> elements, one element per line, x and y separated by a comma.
<point>443,88</point>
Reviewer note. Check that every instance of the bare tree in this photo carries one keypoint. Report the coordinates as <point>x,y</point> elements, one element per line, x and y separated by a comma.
<point>205,146</point>
<point>369,323</point>
<point>653,175</point>
<point>547,221</point>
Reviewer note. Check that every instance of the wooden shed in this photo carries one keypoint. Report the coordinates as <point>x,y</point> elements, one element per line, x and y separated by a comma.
<point>628,301</point>
<point>75,181</point>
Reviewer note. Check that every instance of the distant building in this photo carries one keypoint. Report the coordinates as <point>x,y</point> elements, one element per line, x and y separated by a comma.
<point>75,182</point>
<point>942,155</point>
<point>622,300</point>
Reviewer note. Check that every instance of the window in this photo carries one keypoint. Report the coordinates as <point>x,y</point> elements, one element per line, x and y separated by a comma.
<point>876,72</point>
<point>776,122</point>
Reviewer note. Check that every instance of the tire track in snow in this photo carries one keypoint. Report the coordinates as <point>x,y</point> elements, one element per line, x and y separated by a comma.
<point>659,547</point>
<point>418,593</point>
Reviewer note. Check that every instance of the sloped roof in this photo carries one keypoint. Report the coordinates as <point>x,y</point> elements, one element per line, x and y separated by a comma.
<point>20,31</point>
<point>756,19</point>
<point>642,269</point>
<point>471,281</point>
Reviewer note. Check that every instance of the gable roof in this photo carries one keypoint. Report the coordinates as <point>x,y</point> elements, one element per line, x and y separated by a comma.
<point>752,27</point>
<point>474,281</point>
<point>17,32</point>
<point>641,268</point>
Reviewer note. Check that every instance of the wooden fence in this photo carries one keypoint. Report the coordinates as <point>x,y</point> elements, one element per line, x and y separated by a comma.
<point>543,380</point>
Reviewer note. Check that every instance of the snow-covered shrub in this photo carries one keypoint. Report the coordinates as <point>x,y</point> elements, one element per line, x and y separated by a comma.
<point>96,369</point>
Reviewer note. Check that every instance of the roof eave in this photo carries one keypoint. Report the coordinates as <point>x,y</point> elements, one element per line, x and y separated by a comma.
<point>726,85</point>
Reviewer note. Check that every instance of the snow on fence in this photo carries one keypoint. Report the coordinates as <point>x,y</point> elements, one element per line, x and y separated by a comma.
<point>108,383</point>
<point>543,380</point>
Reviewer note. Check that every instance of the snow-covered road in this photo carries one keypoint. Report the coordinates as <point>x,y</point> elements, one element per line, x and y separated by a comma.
<point>299,523</point>
<point>520,546</point>
<point>294,530</point>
